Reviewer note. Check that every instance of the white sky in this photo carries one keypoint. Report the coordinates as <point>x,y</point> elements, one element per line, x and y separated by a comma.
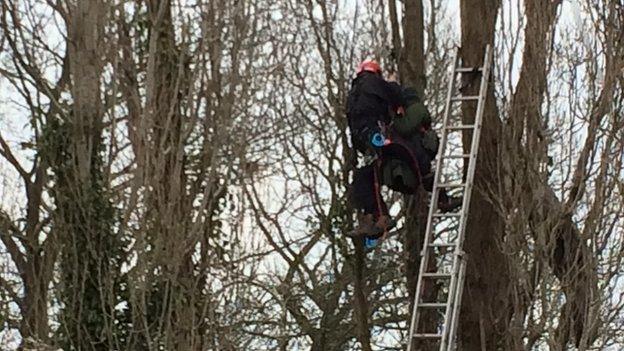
<point>13,120</point>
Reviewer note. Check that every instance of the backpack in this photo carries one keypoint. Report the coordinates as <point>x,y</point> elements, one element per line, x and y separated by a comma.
<point>395,173</point>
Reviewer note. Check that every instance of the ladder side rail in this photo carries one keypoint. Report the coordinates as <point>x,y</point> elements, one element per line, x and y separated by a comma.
<point>451,307</point>
<point>432,207</point>
<point>454,286</point>
<point>459,260</point>
<point>458,298</point>
<point>452,292</point>
<point>474,147</point>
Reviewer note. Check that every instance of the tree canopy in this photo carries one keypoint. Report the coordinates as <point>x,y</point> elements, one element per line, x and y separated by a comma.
<point>176,174</point>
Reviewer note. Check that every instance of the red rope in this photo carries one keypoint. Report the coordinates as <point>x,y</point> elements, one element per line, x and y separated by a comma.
<point>378,200</point>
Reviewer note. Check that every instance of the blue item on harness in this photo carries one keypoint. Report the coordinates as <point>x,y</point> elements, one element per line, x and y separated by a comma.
<point>370,243</point>
<point>378,140</point>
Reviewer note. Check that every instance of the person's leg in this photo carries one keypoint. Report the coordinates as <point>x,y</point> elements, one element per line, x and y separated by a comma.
<point>366,196</point>
<point>446,203</point>
<point>410,154</point>
<point>419,162</point>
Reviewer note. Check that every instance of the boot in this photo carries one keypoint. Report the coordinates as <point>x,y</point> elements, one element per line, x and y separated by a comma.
<point>366,227</point>
<point>448,203</point>
<point>384,224</point>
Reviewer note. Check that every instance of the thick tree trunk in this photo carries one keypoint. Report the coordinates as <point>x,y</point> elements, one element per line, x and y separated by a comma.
<point>413,56</point>
<point>170,308</point>
<point>411,59</point>
<point>410,50</point>
<point>84,215</point>
<point>483,316</point>
<point>488,307</point>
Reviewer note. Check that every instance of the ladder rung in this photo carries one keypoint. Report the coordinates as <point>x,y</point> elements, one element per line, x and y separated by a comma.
<point>436,275</point>
<point>460,126</point>
<point>443,215</point>
<point>456,156</point>
<point>432,305</point>
<point>442,245</point>
<point>427,336</point>
<point>465,98</point>
<point>451,185</point>
<point>468,69</point>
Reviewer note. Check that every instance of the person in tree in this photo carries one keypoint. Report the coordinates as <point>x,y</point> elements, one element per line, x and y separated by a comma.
<point>399,157</point>
<point>413,141</point>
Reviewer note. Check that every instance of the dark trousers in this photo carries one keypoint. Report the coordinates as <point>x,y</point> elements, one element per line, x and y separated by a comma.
<point>366,190</point>
<point>415,157</point>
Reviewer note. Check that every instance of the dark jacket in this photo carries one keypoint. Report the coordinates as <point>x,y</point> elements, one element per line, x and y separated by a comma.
<point>371,99</point>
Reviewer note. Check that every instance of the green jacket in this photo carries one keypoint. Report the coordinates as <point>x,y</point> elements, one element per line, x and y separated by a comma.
<point>409,128</point>
<point>416,115</point>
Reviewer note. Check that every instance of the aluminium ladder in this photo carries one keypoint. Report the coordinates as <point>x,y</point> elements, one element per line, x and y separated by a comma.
<point>437,245</point>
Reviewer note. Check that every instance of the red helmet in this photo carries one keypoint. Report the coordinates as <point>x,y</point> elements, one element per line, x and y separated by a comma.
<point>369,66</point>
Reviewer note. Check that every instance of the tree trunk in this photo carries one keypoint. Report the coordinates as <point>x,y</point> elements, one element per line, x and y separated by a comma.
<point>40,262</point>
<point>84,215</point>
<point>411,59</point>
<point>488,306</point>
<point>413,55</point>
<point>361,298</point>
<point>412,72</point>
<point>483,315</point>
